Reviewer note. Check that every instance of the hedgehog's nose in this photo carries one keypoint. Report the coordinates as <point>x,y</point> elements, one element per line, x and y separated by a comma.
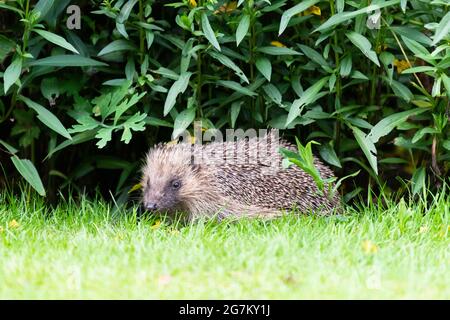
<point>151,206</point>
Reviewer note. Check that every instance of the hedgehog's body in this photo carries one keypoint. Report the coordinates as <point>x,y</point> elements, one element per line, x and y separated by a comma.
<point>242,178</point>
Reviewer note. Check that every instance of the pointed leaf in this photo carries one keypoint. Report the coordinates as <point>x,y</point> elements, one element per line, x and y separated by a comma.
<point>12,73</point>
<point>236,87</point>
<point>229,63</point>
<point>367,147</point>
<point>264,66</point>
<point>442,29</point>
<point>209,32</point>
<point>242,28</point>
<point>46,117</point>
<point>177,87</point>
<point>386,125</point>
<point>56,39</point>
<point>288,14</point>
<point>66,61</point>
<point>308,96</point>
<point>182,121</point>
<point>117,45</point>
<point>28,171</point>
<point>364,45</point>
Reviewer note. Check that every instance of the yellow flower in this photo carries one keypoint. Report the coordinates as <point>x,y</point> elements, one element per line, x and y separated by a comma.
<point>156,225</point>
<point>227,7</point>
<point>1,229</point>
<point>312,10</point>
<point>193,3</point>
<point>13,224</point>
<point>401,65</point>
<point>369,247</point>
<point>277,44</point>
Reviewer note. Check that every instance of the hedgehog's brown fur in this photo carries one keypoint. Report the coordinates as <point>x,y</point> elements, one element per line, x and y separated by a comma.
<point>217,186</point>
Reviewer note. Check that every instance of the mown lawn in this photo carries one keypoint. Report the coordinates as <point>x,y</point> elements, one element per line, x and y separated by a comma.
<point>81,250</point>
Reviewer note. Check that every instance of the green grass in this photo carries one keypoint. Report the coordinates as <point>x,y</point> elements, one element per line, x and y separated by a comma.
<point>82,250</point>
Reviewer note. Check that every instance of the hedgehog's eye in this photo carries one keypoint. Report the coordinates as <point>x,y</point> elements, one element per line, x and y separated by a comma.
<point>176,184</point>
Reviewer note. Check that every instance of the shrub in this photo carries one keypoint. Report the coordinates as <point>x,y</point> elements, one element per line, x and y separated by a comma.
<point>369,80</point>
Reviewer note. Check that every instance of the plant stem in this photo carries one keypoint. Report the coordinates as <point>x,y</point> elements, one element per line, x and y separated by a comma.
<point>337,127</point>
<point>252,41</point>
<point>141,32</point>
<point>199,84</point>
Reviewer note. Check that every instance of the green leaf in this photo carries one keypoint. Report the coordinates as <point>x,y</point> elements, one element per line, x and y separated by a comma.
<point>125,11</point>
<point>347,15</point>
<point>117,45</point>
<point>308,96</point>
<point>135,123</point>
<point>76,139</point>
<point>313,55</point>
<point>328,154</point>
<point>177,87</point>
<point>11,8</point>
<point>182,121</point>
<point>419,69</point>
<point>367,146</point>
<point>288,14</point>
<point>436,90</point>
<point>277,51</point>
<point>121,28</point>
<point>56,39</point>
<point>208,31</point>
<point>104,134</point>
<point>66,61</point>
<point>12,73</point>
<point>346,66</point>
<point>422,132</point>
<point>446,82</point>
<point>446,144</point>
<point>418,180</point>
<point>386,125</point>
<point>43,7</point>
<point>387,59</point>
<point>235,109</point>
<point>46,117</point>
<point>264,66</point>
<point>401,90</point>
<point>364,45</point>
<point>305,160</point>
<point>416,47</point>
<point>229,63</point>
<point>242,28</point>
<point>442,29</point>
<point>50,88</point>
<point>413,34</point>
<point>6,47</point>
<point>236,87</point>
<point>9,147</point>
<point>28,171</point>
<point>273,93</point>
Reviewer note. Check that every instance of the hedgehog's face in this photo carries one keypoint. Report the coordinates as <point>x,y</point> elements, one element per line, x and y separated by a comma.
<point>162,193</point>
<point>169,183</point>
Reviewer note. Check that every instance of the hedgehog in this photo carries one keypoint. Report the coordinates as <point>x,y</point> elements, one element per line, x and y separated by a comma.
<point>243,178</point>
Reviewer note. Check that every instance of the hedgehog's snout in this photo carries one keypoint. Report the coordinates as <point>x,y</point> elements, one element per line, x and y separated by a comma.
<point>151,206</point>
